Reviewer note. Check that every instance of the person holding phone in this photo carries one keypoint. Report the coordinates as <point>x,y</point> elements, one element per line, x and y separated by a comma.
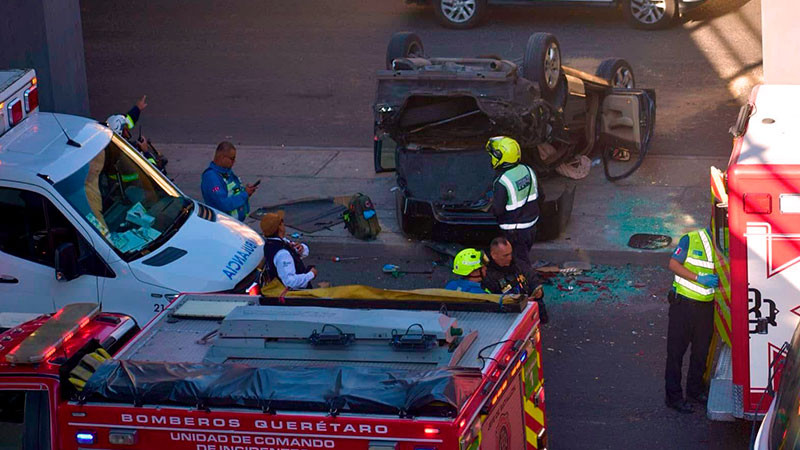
<point>221,188</point>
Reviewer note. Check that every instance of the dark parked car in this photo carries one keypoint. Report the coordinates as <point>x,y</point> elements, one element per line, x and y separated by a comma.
<point>433,117</point>
<point>645,14</point>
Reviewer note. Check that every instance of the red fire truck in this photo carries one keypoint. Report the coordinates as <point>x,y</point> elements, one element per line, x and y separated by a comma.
<point>756,224</point>
<point>222,372</point>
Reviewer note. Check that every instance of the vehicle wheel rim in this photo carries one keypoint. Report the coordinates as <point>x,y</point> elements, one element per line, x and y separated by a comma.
<point>623,78</point>
<point>459,11</point>
<point>648,11</point>
<point>552,65</point>
<point>414,51</point>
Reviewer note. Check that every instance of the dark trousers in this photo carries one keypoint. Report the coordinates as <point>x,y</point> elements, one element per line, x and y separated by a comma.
<point>690,322</point>
<point>521,243</point>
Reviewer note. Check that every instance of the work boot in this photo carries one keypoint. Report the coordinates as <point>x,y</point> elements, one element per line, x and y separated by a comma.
<point>682,406</point>
<point>701,398</point>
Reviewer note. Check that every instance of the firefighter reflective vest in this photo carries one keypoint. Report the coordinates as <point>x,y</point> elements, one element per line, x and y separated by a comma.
<point>521,210</point>
<point>699,260</point>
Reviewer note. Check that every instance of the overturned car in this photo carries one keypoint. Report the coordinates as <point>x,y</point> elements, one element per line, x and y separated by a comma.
<point>433,117</point>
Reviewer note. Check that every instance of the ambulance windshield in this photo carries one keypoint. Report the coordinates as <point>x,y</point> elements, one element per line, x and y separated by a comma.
<point>785,430</point>
<point>126,200</point>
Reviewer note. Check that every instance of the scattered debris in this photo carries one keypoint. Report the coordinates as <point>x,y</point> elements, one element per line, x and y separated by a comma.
<point>580,265</point>
<point>345,258</point>
<point>397,272</point>
<point>307,215</point>
<point>646,241</point>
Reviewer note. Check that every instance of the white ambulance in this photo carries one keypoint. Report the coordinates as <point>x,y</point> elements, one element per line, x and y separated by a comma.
<point>83,217</point>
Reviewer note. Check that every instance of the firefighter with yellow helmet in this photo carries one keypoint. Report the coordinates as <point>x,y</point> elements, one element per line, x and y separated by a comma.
<point>516,192</point>
<point>470,266</point>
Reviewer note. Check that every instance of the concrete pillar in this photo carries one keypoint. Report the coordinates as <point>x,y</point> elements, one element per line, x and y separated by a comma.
<point>46,35</point>
<point>780,37</point>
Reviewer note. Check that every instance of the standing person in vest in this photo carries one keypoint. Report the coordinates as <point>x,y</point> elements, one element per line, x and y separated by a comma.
<point>516,192</point>
<point>691,317</point>
<point>123,124</point>
<point>285,258</point>
<point>221,188</point>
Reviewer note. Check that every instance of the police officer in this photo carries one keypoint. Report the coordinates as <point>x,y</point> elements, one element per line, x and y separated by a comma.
<point>515,196</point>
<point>221,188</point>
<point>469,266</point>
<point>691,317</point>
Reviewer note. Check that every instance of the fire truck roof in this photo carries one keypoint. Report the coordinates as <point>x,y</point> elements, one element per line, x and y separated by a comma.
<point>313,336</point>
<point>39,342</point>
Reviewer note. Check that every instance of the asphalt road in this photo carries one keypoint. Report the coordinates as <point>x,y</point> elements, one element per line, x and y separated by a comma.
<point>603,354</point>
<point>302,73</point>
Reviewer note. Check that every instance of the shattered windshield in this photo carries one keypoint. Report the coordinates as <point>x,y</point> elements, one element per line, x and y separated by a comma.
<point>127,201</point>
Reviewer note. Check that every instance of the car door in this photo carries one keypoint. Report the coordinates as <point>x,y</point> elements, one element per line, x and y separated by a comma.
<point>384,150</point>
<point>32,229</point>
<point>628,118</point>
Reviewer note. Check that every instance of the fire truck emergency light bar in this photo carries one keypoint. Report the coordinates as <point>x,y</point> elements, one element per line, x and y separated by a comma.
<point>42,343</point>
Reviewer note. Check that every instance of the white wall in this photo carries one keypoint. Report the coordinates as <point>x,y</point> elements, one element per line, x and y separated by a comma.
<point>780,24</point>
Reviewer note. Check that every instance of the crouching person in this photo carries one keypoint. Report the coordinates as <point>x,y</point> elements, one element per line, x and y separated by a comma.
<point>468,265</point>
<point>284,258</point>
<point>506,275</point>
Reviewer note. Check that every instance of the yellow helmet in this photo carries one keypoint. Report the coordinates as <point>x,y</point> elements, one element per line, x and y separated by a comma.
<point>466,261</point>
<point>504,151</point>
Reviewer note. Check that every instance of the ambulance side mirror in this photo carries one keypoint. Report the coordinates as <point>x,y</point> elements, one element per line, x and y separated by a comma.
<point>66,262</point>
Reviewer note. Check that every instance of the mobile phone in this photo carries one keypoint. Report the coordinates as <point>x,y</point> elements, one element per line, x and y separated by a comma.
<point>257,183</point>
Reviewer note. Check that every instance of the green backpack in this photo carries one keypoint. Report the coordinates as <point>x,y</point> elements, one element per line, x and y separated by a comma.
<point>360,219</point>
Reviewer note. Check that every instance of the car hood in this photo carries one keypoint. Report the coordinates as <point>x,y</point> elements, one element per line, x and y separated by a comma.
<point>203,256</point>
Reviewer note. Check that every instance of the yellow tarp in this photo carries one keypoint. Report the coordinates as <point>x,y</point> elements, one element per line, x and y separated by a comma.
<point>361,292</point>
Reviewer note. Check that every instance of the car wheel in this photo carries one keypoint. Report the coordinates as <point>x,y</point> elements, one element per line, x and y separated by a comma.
<point>617,72</point>
<point>650,14</point>
<point>459,14</point>
<point>404,44</point>
<point>542,64</point>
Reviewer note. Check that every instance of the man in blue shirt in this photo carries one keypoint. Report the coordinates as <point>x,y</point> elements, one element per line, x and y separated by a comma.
<point>468,265</point>
<point>221,188</point>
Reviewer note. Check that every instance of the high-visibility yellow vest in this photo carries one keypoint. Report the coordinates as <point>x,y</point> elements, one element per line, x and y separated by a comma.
<point>233,188</point>
<point>699,260</point>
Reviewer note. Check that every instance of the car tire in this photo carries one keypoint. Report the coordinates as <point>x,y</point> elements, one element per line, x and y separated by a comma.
<point>617,72</point>
<point>542,64</point>
<point>460,14</point>
<point>650,14</point>
<point>404,44</point>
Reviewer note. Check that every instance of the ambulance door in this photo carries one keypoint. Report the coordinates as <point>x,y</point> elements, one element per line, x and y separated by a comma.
<point>771,213</point>
<point>46,261</point>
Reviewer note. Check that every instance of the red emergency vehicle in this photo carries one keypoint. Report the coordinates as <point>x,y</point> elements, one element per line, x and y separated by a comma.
<point>221,372</point>
<point>756,224</point>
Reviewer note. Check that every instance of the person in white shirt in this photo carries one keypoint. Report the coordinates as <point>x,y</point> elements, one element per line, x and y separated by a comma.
<point>284,258</point>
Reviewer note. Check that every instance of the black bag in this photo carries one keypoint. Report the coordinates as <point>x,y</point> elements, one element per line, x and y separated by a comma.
<point>360,219</point>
